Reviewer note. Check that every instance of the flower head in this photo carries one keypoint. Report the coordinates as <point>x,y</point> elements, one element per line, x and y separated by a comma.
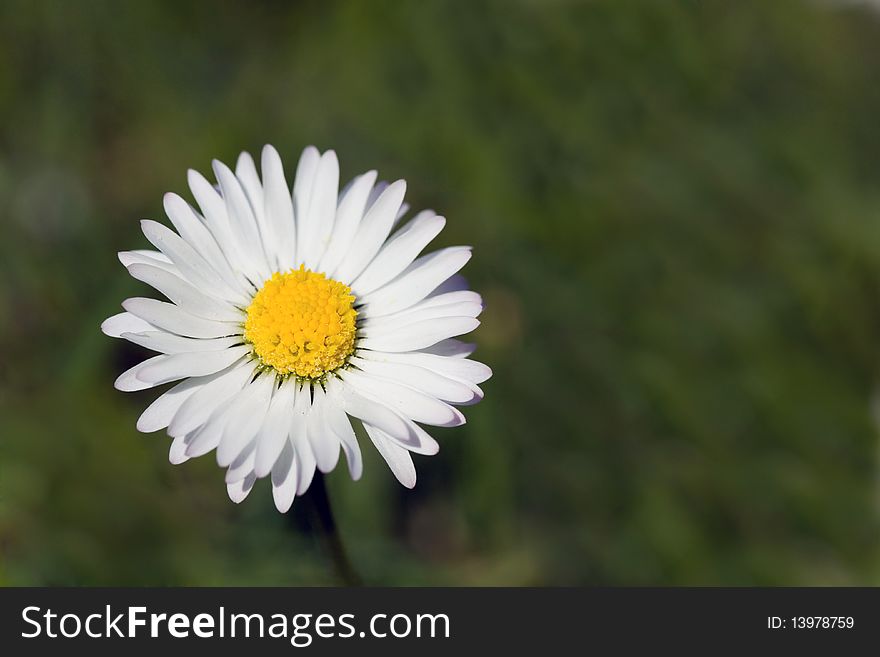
<point>291,312</point>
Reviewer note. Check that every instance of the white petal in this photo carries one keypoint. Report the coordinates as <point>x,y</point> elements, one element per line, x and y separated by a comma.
<point>304,459</point>
<point>379,327</point>
<point>128,381</point>
<point>305,464</point>
<point>452,304</point>
<point>399,252</point>
<point>315,225</point>
<point>324,443</point>
<point>478,394</point>
<point>455,283</point>
<point>372,232</point>
<point>196,410</point>
<point>352,204</point>
<point>191,266</point>
<point>357,400</point>
<point>303,182</point>
<point>279,209</point>
<point>408,402</point>
<point>149,253</point>
<point>401,213</point>
<point>242,223</point>
<point>239,490</point>
<point>397,458</point>
<point>428,382</point>
<point>170,367</point>
<point>462,369</point>
<point>451,348</point>
<point>338,422</point>
<point>420,312</point>
<point>246,417</point>
<point>299,415</point>
<point>274,432</point>
<point>218,222</point>
<point>208,436</point>
<point>246,172</point>
<point>417,281</point>
<point>375,193</point>
<point>195,233</point>
<point>169,343</point>
<point>243,464</point>
<point>418,335</point>
<point>284,475</point>
<point>144,257</point>
<point>125,322</point>
<point>419,441</point>
<point>159,414</point>
<point>177,451</point>
<point>435,300</point>
<point>249,179</point>
<point>172,318</point>
<point>185,295</point>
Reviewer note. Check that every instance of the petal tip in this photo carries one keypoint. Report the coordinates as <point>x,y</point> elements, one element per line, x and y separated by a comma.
<point>106,328</point>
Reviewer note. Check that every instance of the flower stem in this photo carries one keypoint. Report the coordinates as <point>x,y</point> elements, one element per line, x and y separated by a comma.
<point>322,521</point>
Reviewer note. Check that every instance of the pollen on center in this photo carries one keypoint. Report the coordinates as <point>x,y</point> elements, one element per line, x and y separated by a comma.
<point>302,323</point>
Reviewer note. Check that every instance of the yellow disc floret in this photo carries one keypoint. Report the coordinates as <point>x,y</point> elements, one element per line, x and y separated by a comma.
<point>302,323</point>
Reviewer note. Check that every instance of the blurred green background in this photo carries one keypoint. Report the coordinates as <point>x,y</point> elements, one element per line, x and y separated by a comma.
<point>675,208</point>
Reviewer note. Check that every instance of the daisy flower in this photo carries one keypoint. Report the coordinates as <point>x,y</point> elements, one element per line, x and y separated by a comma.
<point>290,312</point>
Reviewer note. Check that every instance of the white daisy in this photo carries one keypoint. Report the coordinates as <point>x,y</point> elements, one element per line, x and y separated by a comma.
<point>290,312</point>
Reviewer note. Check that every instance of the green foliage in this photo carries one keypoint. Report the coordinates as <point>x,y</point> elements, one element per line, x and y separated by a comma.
<point>674,208</point>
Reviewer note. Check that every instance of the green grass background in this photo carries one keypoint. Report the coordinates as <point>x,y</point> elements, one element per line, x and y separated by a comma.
<point>675,209</point>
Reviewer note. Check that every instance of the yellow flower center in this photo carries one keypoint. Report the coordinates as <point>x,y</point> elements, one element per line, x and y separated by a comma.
<point>302,323</point>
